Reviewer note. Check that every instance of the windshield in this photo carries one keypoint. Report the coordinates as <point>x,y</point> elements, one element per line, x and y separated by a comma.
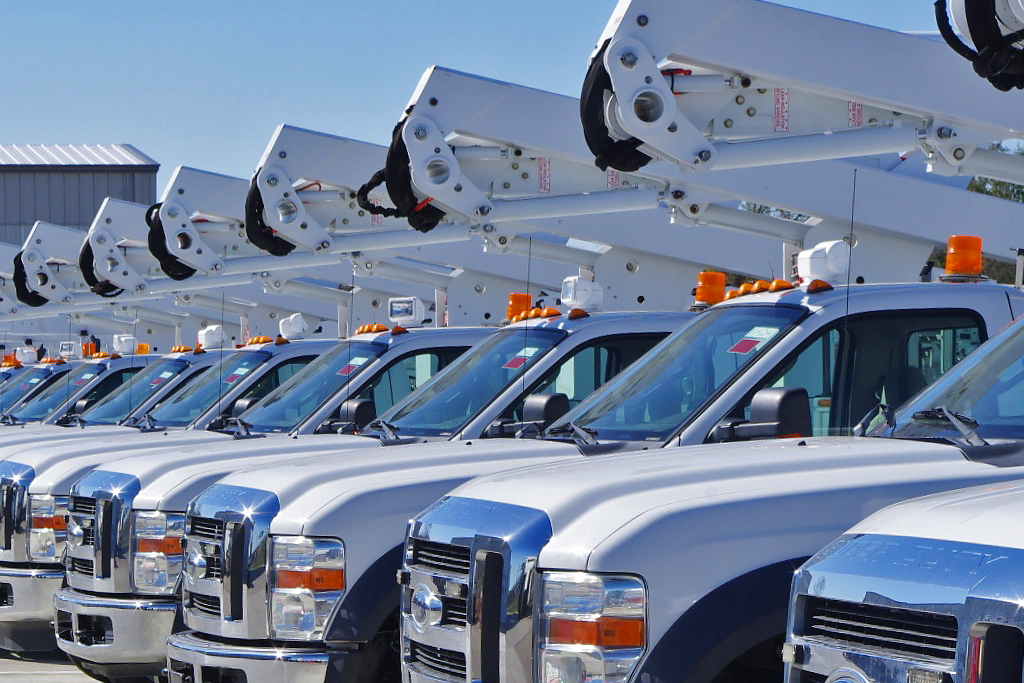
<point>292,402</point>
<point>117,404</point>
<point>985,392</point>
<point>653,398</point>
<point>453,396</point>
<point>13,392</point>
<point>57,392</point>
<point>198,397</point>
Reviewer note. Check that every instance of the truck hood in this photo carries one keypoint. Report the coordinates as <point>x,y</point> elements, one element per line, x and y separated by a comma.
<point>982,515</point>
<point>171,478</point>
<point>367,499</point>
<point>600,508</point>
<point>21,437</point>
<point>58,464</point>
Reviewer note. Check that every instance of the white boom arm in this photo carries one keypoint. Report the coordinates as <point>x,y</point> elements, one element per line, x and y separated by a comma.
<point>704,84</point>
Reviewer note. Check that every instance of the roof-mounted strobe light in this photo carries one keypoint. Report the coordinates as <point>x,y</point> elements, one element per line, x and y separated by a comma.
<point>407,311</point>
<point>579,292</point>
<point>963,259</point>
<point>212,337</point>
<point>293,327</point>
<point>828,261</point>
<point>710,289</point>
<point>518,302</point>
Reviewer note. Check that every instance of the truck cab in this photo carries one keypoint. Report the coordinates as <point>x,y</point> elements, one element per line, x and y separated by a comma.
<point>697,386</point>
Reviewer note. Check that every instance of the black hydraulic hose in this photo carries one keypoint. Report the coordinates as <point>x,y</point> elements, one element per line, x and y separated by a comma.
<point>621,155</point>
<point>87,264</point>
<point>21,288</point>
<point>157,239</point>
<point>256,229</point>
<point>996,58</point>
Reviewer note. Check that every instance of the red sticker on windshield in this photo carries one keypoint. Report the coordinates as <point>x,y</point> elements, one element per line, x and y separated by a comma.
<point>231,378</point>
<point>515,363</point>
<point>348,369</point>
<point>23,387</point>
<point>80,382</point>
<point>745,346</point>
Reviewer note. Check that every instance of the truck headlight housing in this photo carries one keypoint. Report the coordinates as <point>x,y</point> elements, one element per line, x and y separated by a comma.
<point>157,551</point>
<point>307,580</point>
<point>47,527</point>
<point>590,627</point>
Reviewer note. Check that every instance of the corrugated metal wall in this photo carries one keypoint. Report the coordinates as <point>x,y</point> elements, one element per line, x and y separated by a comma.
<point>65,195</point>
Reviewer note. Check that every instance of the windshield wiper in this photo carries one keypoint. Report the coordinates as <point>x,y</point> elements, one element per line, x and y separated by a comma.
<point>243,429</point>
<point>9,420</point>
<point>390,431</point>
<point>966,425</point>
<point>145,423</point>
<point>580,434</point>
<point>69,419</point>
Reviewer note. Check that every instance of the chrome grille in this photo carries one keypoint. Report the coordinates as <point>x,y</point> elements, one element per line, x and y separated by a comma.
<point>206,604</point>
<point>454,611</point>
<point>447,663</point>
<point>204,528</point>
<point>890,629</point>
<point>440,556</point>
<point>82,566</point>
<point>214,567</point>
<point>82,505</point>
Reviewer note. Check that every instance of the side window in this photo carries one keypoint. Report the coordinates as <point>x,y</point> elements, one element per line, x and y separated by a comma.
<point>406,374</point>
<point>275,377</point>
<point>588,368</point>
<point>110,382</point>
<point>884,358</point>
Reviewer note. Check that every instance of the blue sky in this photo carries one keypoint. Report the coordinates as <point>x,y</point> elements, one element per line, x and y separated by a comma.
<point>204,84</point>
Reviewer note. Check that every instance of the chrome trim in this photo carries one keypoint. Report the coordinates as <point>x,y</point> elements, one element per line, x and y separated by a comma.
<point>14,482</point>
<point>241,588</point>
<point>111,524</point>
<point>973,584</point>
<point>504,541</point>
<point>189,657</point>
<point>30,593</point>
<point>137,634</point>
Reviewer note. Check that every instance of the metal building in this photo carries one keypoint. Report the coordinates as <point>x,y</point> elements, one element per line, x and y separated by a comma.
<point>65,184</point>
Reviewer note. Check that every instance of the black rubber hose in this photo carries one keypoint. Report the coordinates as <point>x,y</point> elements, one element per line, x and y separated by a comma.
<point>256,229</point>
<point>172,267</point>
<point>398,179</point>
<point>621,155</point>
<point>21,289</point>
<point>87,264</point>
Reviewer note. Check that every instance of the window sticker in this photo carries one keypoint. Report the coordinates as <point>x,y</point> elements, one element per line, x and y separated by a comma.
<point>354,364</point>
<point>84,378</point>
<point>753,340</point>
<point>520,359</point>
<point>164,376</point>
<point>236,375</point>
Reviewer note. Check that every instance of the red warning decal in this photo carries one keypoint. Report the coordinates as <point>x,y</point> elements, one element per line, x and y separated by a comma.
<point>745,345</point>
<point>515,363</point>
<point>855,114</point>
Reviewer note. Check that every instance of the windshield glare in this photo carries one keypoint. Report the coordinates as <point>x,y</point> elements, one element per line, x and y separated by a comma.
<point>656,396</point>
<point>14,391</point>
<point>453,396</point>
<point>50,398</point>
<point>185,406</point>
<point>127,397</point>
<point>986,388</point>
<point>292,402</point>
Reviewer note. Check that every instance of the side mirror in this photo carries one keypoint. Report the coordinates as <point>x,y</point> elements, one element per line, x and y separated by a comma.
<point>774,414</point>
<point>242,405</point>
<point>82,405</point>
<point>543,409</point>
<point>354,414</point>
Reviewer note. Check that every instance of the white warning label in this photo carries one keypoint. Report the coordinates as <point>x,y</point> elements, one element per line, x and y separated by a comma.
<point>782,110</point>
<point>612,179</point>
<point>543,175</point>
<point>855,114</point>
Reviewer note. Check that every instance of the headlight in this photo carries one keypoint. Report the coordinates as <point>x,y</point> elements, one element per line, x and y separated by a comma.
<point>157,550</point>
<point>307,579</point>
<point>590,627</point>
<point>47,527</point>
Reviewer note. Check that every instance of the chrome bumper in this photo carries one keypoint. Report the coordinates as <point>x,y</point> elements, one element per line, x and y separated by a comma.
<point>27,594</point>
<point>189,655</point>
<point>113,630</point>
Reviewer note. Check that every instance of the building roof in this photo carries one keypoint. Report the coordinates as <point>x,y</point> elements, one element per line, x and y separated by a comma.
<point>73,155</point>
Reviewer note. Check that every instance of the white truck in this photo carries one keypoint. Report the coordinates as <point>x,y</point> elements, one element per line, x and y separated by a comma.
<point>518,378</point>
<point>928,589</point>
<point>254,540</point>
<point>677,565</point>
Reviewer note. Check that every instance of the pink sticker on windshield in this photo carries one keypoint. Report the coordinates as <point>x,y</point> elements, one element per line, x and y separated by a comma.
<point>348,369</point>
<point>515,363</point>
<point>745,346</point>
